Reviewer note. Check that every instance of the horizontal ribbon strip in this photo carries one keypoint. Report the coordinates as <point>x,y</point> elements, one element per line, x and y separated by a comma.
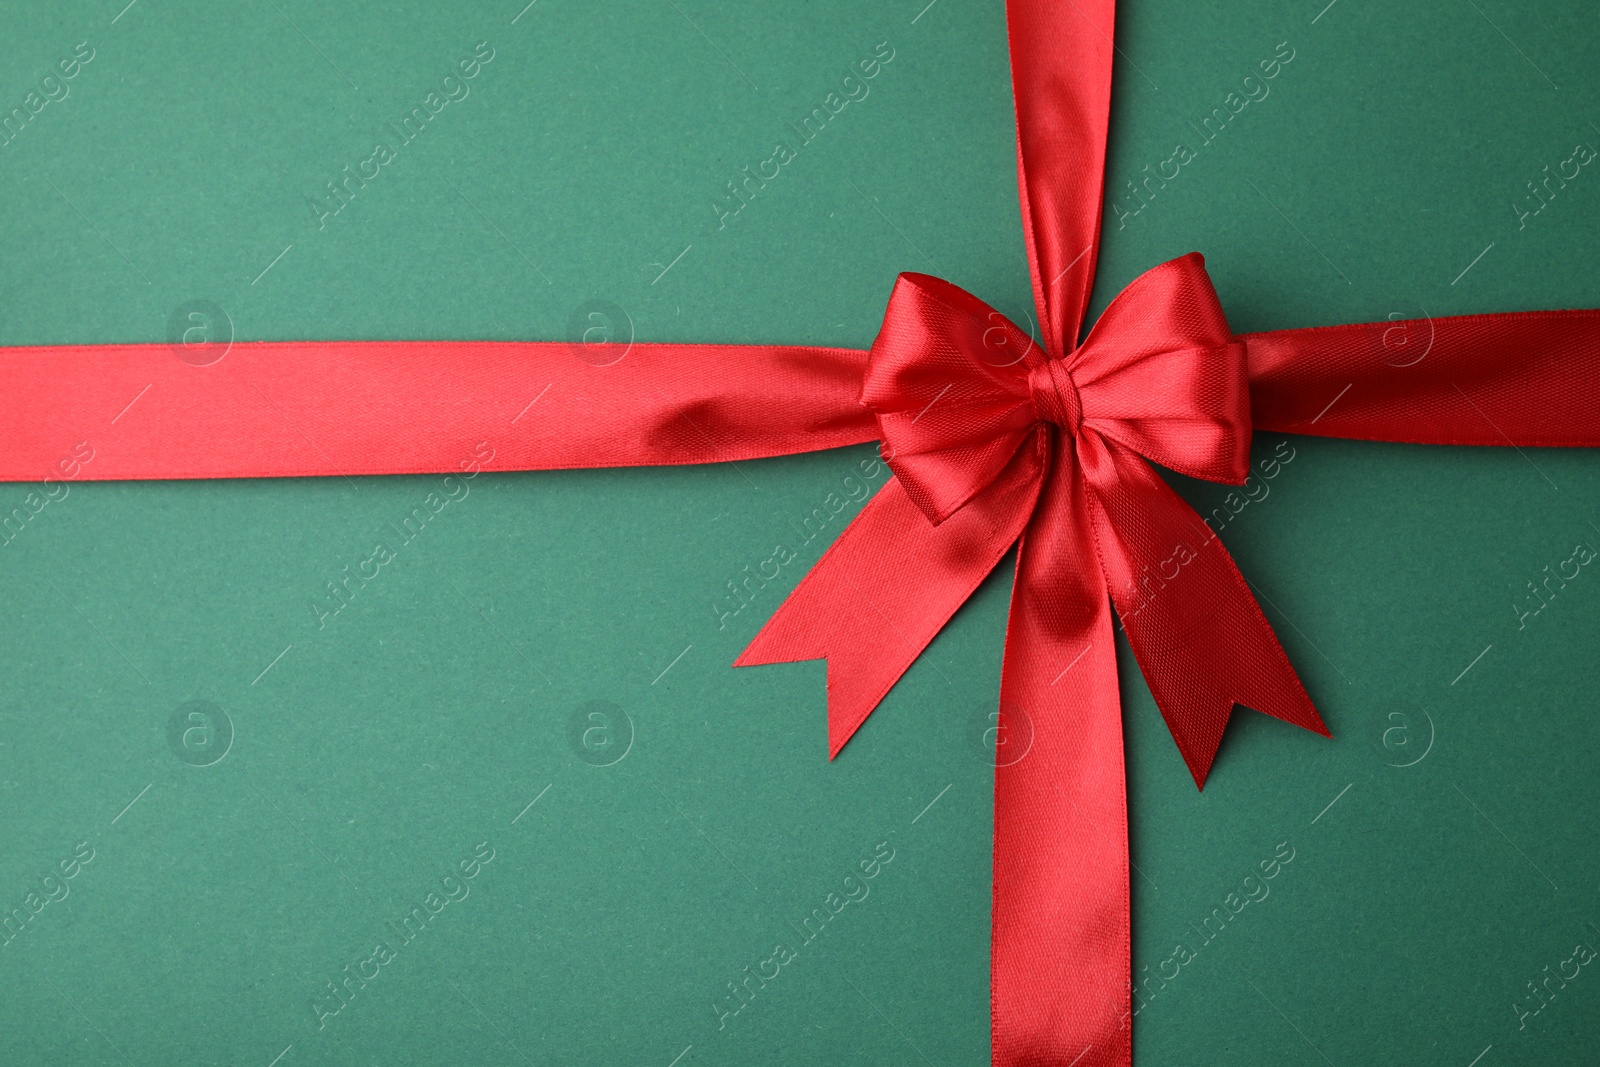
<point>279,409</point>
<point>271,409</point>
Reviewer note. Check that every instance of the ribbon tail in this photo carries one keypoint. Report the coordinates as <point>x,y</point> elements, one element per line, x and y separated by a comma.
<point>888,585</point>
<point>1200,638</point>
<point>1060,954</point>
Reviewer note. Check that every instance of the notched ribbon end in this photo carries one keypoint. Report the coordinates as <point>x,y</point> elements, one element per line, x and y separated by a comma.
<point>757,656</point>
<point>848,703</point>
<point>1199,746</point>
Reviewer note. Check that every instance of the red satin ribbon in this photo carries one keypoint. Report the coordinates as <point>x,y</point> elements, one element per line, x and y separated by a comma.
<point>995,441</point>
<point>287,409</point>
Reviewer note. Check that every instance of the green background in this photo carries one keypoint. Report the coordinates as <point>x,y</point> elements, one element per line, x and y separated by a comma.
<point>1457,858</point>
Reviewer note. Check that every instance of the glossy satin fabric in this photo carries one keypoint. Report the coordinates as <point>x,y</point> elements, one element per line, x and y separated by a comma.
<point>293,408</point>
<point>273,409</point>
<point>995,441</point>
<point>1523,378</point>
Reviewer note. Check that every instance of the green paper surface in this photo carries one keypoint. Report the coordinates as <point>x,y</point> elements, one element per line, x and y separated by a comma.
<point>219,795</point>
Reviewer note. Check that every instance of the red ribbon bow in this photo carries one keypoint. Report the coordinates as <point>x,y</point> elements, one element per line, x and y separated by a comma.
<point>975,418</point>
<point>994,443</point>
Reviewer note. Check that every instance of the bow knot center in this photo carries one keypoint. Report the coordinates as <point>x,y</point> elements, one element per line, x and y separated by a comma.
<point>1055,395</point>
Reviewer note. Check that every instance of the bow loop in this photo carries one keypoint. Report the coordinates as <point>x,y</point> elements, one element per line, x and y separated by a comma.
<point>947,379</point>
<point>1162,374</point>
